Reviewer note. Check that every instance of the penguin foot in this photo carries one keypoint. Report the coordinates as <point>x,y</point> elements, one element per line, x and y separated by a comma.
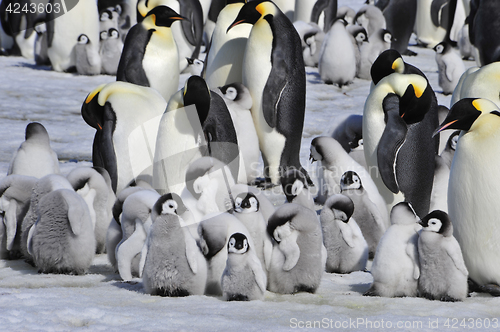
<point>492,289</point>
<point>371,292</point>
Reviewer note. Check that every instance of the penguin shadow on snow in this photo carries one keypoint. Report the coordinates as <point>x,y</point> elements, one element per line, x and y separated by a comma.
<point>313,77</point>
<point>33,66</point>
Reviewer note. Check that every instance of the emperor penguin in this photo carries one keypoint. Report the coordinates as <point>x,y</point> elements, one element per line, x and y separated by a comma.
<point>34,157</point>
<point>296,189</point>
<point>450,67</point>
<point>215,231</point>
<point>443,275</point>
<point>189,34</point>
<point>19,22</point>
<point>429,32</point>
<point>87,58</point>
<point>335,161</point>
<point>371,18</point>
<point>174,265</point>
<point>484,31</point>
<point>347,250</point>
<point>472,189</point>
<point>63,32</point>
<point>396,266</point>
<point>92,187</point>
<point>326,9</point>
<point>399,116</point>
<point>265,205</point>
<point>296,263</point>
<point>369,52</point>
<point>349,132</point>
<point>41,188</point>
<point>247,209</point>
<point>400,16</point>
<point>478,82</point>
<point>277,87</point>
<point>110,51</point>
<point>150,56</point>
<point>124,143</point>
<point>239,102</point>
<point>15,196</point>
<point>244,278</point>
<point>224,61</point>
<point>135,221</point>
<point>62,239</point>
<point>337,60</point>
<point>366,214</point>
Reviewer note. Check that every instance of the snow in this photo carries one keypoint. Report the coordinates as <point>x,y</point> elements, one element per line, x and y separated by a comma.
<point>99,300</point>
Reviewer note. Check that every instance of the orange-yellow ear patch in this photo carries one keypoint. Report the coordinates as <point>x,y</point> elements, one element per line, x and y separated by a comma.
<point>94,93</point>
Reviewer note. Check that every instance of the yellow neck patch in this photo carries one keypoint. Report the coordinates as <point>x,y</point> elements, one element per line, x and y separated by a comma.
<point>398,65</point>
<point>484,105</point>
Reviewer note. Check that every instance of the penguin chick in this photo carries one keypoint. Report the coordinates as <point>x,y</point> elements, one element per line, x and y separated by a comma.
<point>110,51</point>
<point>450,67</point>
<point>296,263</point>
<point>244,278</point>
<point>347,250</point>
<point>378,43</point>
<point>296,189</point>
<point>174,265</point>
<point>366,214</point>
<point>349,132</point>
<point>62,240</point>
<point>34,157</point>
<point>15,195</point>
<point>371,18</point>
<point>88,60</point>
<point>396,268</point>
<point>443,275</point>
<point>247,210</point>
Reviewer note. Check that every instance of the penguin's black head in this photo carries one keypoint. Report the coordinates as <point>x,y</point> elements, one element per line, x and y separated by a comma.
<point>437,221</point>
<point>292,182</point>
<point>232,91</point>
<point>350,180</point>
<point>238,243</point>
<point>113,33</point>
<point>442,47</point>
<point>403,213</point>
<point>451,144</point>
<point>246,203</point>
<point>341,206</point>
<point>169,203</point>
<point>316,150</point>
<point>105,15</point>
<point>252,11</point>
<point>462,115</point>
<point>388,62</point>
<point>164,16</point>
<point>83,39</point>
<point>35,129</point>
<point>196,93</point>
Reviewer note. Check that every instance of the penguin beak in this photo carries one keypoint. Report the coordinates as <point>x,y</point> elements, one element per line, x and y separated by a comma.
<point>463,114</point>
<point>443,127</point>
<point>234,24</point>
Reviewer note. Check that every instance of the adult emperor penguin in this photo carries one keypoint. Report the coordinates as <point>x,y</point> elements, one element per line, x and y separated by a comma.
<point>398,120</point>
<point>479,82</point>
<point>296,263</point>
<point>277,86</point>
<point>244,278</point>
<point>328,10</point>
<point>472,188</point>
<point>400,18</point>
<point>248,210</point>
<point>62,239</point>
<point>15,196</point>
<point>92,187</point>
<point>239,102</point>
<point>63,33</point>
<point>34,157</point>
<point>396,268</point>
<point>366,214</point>
<point>124,143</point>
<point>337,60</point>
<point>224,62</point>
<point>443,275</point>
<point>150,55</point>
<point>189,34</point>
<point>428,33</point>
<point>87,58</point>
<point>346,247</point>
<point>484,31</point>
<point>450,67</point>
<point>174,265</point>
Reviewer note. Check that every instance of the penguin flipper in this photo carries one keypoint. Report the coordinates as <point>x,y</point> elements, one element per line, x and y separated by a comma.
<point>456,256</point>
<point>291,250</point>
<point>29,240</point>
<point>129,249</point>
<point>391,141</point>
<point>144,254</point>
<point>105,148</point>
<point>191,251</point>
<point>449,70</point>
<point>318,8</point>
<point>260,276</point>
<point>412,252</point>
<point>10,221</point>
<point>275,85</point>
<point>193,29</point>
<point>76,212</point>
<point>347,234</point>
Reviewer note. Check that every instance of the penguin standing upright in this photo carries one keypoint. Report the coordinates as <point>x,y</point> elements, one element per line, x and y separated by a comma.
<point>443,275</point>
<point>427,26</point>
<point>87,60</point>
<point>150,56</point>
<point>224,62</point>
<point>378,42</point>
<point>277,86</point>
<point>479,82</point>
<point>328,10</point>
<point>399,118</point>
<point>400,18</point>
<point>110,50</point>
<point>484,31</point>
<point>473,188</point>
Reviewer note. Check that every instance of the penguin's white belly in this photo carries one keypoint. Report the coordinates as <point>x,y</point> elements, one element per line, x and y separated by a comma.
<point>337,61</point>
<point>473,207</point>
<point>256,69</point>
<point>426,31</point>
<point>248,143</point>
<point>33,160</point>
<point>160,64</point>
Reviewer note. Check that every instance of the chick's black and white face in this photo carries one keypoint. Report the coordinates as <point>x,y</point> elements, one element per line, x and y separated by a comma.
<point>170,206</point>
<point>350,180</point>
<point>246,204</point>
<point>439,49</point>
<point>433,225</point>
<point>387,37</point>
<point>238,244</point>
<point>231,93</point>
